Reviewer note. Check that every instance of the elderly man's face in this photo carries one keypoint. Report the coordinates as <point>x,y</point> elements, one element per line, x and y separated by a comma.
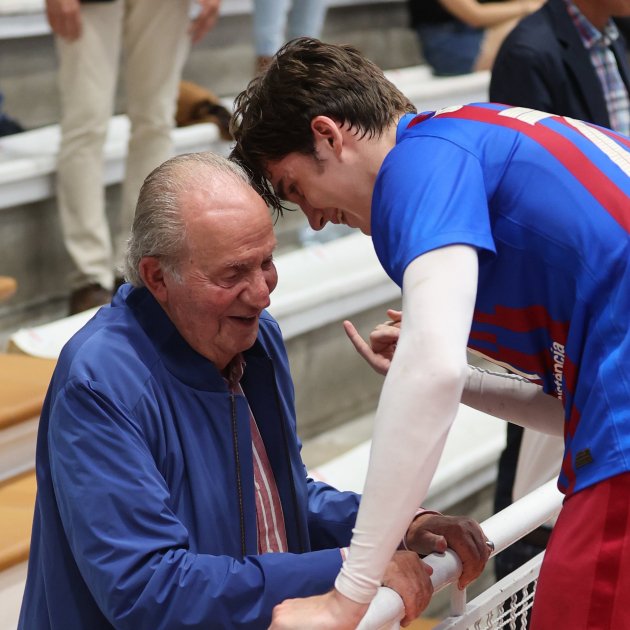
<point>227,272</point>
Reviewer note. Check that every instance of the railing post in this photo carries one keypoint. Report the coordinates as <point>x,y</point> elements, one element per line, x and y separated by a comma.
<point>385,611</point>
<point>458,600</point>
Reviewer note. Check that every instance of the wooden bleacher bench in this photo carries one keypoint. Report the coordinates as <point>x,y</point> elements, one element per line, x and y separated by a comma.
<point>24,381</point>
<point>17,498</point>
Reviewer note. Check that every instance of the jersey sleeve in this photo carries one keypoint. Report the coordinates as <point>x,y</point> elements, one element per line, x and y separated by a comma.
<point>429,193</point>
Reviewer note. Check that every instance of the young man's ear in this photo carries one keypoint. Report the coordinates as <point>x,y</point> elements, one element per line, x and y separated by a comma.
<point>327,134</point>
<point>152,275</point>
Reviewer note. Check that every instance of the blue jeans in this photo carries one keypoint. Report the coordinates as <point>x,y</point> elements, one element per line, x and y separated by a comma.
<point>451,48</point>
<point>274,23</point>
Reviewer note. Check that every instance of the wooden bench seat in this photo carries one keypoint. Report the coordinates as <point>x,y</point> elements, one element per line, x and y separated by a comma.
<point>24,383</point>
<point>17,498</point>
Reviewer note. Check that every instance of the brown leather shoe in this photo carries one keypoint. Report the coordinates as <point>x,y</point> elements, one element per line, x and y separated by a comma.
<point>88,297</point>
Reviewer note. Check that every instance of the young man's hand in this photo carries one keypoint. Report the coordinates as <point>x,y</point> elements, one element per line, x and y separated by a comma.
<point>331,611</point>
<point>383,339</point>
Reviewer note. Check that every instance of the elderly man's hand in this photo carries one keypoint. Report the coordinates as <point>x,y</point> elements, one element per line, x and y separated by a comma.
<point>435,532</point>
<point>410,578</point>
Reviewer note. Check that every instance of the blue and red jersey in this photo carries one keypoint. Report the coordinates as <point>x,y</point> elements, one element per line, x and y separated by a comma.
<point>546,202</point>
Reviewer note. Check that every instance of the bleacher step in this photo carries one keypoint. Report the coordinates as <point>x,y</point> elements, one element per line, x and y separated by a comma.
<point>17,498</point>
<point>24,383</point>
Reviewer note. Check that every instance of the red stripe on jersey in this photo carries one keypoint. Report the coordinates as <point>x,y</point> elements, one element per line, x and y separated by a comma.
<point>604,190</point>
<point>574,419</point>
<point>524,320</point>
<point>570,375</point>
<point>569,473</point>
<point>479,335</point>
<point>606,587</point>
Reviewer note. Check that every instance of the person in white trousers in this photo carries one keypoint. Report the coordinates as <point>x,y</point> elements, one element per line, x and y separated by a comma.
<point>153,37</point>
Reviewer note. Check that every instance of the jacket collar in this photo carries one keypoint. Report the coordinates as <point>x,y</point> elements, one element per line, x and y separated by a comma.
<point>182,361</point>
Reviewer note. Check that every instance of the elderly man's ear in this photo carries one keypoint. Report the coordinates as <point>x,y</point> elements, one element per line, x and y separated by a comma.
<point>152,275</point>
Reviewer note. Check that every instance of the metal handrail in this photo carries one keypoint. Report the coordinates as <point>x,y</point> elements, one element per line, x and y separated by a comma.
<point>503,529</point>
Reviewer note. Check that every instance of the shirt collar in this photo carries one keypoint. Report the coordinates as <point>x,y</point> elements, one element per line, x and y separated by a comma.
<point>589,35</point>
<point>234,370</point>
<point>404,121</point>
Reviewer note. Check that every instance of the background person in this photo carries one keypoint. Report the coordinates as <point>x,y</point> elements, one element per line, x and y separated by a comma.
<point>155,37</point>
<point>568,58</point>
<point>279,21</point>
<point>461,36</point>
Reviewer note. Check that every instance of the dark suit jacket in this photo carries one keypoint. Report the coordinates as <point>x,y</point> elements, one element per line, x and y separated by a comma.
<point>543,64</point>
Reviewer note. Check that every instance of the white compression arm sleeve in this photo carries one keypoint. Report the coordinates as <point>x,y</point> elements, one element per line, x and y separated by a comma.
<point>418,404</point>
<point>514,398</point>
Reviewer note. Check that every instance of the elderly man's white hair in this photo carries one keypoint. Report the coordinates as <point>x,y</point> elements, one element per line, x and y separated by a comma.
<point>158,228</point>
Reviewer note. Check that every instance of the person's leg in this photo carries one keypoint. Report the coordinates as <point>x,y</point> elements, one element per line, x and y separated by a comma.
<point>156,45</point>
<point>87,80</point>
<point>450,49</point>
<point>306,18</point>
<point>585,576</point>
<point>270,20</point>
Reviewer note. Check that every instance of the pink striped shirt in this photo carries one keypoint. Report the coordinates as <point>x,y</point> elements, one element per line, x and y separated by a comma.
<point>272,535</point>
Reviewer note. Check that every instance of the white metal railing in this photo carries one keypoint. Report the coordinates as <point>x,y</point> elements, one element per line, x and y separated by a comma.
<point>503,529</point>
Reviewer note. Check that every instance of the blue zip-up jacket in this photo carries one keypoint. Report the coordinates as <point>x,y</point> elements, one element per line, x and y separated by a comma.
<point>145,514</point>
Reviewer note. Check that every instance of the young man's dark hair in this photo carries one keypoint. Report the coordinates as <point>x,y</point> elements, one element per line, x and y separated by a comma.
<point>307,78</point>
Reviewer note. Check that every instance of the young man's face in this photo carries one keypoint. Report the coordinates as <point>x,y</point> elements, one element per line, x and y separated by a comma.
<point>323,189</point>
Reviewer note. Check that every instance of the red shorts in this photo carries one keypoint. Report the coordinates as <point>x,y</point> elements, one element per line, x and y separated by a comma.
<point>584,581</point>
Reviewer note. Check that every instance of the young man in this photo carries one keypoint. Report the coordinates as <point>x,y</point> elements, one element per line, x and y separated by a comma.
<point>508,232</point>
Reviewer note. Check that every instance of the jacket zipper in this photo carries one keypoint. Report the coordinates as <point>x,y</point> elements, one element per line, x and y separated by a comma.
<point>239,485</point>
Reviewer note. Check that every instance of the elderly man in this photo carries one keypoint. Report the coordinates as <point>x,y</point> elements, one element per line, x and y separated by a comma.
<point>171,492</point>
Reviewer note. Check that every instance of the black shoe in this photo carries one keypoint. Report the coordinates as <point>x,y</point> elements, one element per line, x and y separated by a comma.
<point>88,297</point>
<point>8,126</point>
